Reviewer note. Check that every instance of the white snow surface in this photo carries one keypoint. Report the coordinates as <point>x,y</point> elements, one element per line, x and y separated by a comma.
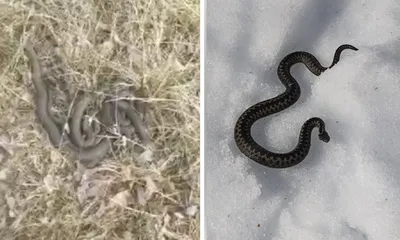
<point>346,189</point>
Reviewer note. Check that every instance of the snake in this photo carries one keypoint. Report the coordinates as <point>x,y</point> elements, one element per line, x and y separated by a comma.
<point>242,131</point>
<point>89,153</point>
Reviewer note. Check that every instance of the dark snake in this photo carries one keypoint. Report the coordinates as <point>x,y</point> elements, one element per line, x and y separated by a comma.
<point>89,153</point>
<point>242,133</point>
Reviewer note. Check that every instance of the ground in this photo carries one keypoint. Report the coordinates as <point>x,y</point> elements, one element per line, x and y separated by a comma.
<point>153,46</point>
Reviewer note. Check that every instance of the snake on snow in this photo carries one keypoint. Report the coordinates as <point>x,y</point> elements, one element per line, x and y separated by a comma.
<point>242,132</point>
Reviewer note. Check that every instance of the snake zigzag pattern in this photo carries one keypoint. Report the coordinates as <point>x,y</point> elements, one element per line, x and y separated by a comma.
<point>242,133</point>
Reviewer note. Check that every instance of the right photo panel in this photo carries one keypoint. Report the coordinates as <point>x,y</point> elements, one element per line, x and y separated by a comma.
<point>302,102</point>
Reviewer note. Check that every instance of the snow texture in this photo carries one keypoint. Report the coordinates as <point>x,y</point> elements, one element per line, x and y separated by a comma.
<point>346,189</point>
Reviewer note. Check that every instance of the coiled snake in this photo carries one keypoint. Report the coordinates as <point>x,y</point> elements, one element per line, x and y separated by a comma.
<point>89,154</point>
<point>242,132</point>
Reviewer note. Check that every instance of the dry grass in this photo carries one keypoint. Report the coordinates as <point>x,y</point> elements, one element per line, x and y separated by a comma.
<point>153,45</point>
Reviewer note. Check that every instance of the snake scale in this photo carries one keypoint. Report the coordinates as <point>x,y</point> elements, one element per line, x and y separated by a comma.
<point>89,153</point>
<point>242,133</point>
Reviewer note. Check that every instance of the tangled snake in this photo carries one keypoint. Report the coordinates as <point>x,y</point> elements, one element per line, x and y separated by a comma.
<point>89,152</point>
<point>242,132</point>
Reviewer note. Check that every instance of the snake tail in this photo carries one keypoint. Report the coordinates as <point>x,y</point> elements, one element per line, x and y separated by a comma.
<point>339,50</point>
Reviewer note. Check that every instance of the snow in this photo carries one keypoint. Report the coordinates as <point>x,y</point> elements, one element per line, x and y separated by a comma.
<point>346,189</point>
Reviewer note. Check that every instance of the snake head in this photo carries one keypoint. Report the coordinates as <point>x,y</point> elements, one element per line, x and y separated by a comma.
<point>324,136</point>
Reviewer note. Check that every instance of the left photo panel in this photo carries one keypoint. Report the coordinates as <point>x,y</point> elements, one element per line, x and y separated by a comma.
<point>100,119</point>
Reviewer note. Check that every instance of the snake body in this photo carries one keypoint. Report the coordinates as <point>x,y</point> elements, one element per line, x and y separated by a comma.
<point>242,133</point>
<point>89,153</point>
